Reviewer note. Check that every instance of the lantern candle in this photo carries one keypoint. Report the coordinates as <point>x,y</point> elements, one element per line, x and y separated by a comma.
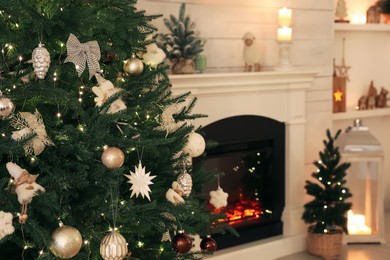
<point>285,17</point>
<point>284,34</point>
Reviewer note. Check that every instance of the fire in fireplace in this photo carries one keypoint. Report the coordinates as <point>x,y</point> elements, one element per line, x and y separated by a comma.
<point>250,152</point>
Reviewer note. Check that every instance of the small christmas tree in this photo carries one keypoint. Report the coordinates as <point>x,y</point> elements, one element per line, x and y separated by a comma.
<point>182,44</point>
<point>327,211</point>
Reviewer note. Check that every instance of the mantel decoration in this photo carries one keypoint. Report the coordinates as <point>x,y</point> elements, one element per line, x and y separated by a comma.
<point>182,44</point>
<point>341,12</point>
<point>327,211</point>
<point>284,37</point>
<point>384,6</point>
<point>252,53</point>
<point>340,78</point>
<point>373,99</point>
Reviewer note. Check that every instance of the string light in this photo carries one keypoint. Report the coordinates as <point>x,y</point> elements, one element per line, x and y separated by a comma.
<point>343,191</point>
<point>329,183</point>
<point>140,244</point>
<point>20,58</point>
<point>55,76</point>
<point>58,115</point>
<point>325,206</point>
<point>86,242</point>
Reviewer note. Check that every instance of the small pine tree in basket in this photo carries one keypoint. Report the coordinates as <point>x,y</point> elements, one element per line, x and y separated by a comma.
<point>327,212</point>
<point>182,44</point>
<point>384,6</point>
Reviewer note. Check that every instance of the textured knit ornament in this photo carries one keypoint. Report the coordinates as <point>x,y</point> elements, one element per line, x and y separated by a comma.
<point>133,66</point>
<point>83,53</point>
<point>181,243</point>
<point>154,55</point>
<point>195,145</point>
<point>41,61</point>
<point>185,181</point>
<point>104,91</point>
<point>113,246</point>
<point>66,242</point>
<point>218,198</point>
<point>113,157</point>
<point>6,107</point>
<point>29,124</point>
<point>6,227</point>
<point>140,182</point>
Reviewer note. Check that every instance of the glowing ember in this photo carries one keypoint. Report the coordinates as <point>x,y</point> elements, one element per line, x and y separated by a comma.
<point>243,210</point>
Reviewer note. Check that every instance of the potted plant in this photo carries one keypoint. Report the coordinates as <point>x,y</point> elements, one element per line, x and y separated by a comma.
<point>327,211</point>
<point>182,44</point>
<point>384,7</point>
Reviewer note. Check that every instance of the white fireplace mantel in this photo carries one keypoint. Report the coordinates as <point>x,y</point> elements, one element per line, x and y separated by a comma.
<point>275,94</point>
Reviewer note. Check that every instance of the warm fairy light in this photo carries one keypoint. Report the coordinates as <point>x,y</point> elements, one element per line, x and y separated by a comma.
<point>32,159</point>
<point>325,206</point>
<point>81,128</point>
<point>339,183</point>
<point>80,93</point>
<point>86,242</point>
<point>58,115</point>
<point>343,191</point>
<point>62,9</point>
<point>11,181</point>
<point>140,244</point>
<point>341,198</point>
<point>329,183</point>
<point>77,67</point>
<point>122,202</point>
<point>102,214</point>
<point>20,58</point>
<point>325,230</point>
<point>82,86</point>
<point>320,178</point>
<point>62,44</point>
<point>147,117</point>
<point>3,135</point>
<point>41,252</point>
<point>17,25</point>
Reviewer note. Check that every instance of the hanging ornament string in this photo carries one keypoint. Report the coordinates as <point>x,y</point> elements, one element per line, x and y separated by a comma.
<point>83,53</point>
<point>114,206</point>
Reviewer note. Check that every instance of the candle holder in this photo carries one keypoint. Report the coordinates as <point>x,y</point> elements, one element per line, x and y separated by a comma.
<point>284,56</point>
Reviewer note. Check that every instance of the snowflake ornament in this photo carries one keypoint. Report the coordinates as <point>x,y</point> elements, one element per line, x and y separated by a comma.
<point>218,198</point>
<point>140,182</point>
<point>6,227</point>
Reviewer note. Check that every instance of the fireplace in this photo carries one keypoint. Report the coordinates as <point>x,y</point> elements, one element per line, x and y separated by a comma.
<point>251,155</point>
<point>280,97</point>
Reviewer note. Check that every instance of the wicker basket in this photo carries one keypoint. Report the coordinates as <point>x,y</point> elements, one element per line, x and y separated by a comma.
<point>327,246</point>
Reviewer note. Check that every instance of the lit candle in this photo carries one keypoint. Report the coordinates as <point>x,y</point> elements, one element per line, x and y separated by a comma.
<point>284,34</point>
<point>285,17</point>
<point>358,19</point>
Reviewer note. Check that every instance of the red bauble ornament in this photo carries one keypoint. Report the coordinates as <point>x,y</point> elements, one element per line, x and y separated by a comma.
<point>181,243</point>
<point>208,244</point>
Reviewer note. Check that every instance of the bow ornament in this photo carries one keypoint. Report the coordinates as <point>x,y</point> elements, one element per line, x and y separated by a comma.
<point>83,53</point>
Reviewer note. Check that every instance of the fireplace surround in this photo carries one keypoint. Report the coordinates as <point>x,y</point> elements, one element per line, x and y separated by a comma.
<point>277,95</point>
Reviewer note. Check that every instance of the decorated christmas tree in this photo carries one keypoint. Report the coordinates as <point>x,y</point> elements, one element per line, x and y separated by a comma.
<point>327,211</point>
<point>95,149</point>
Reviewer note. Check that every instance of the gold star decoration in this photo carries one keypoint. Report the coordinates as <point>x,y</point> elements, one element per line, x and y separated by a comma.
<point>338,96</point>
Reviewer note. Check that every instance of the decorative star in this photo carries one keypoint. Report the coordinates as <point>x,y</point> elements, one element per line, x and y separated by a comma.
<point>140,181</point>
<point>338,95</point>
<point>343,69</point>
<point>218,198</point>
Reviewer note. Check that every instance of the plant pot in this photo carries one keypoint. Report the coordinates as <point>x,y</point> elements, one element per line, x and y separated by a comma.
<point>183,66</point>
<point>327,246</point>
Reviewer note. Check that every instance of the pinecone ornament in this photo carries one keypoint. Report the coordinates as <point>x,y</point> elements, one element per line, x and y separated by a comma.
<point>41,61</point>
<point>185,181</point>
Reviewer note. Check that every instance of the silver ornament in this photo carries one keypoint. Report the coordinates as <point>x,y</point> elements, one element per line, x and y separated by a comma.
<point>41,61</point>
<point>185,181</point>
<point>113,246</point>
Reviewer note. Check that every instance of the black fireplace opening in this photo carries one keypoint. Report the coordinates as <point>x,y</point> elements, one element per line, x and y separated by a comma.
<point>250,152</point>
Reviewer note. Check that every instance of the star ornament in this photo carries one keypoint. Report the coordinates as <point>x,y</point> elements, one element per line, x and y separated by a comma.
<point>140,181</point>
<point>338,95</point>
<point>218,198</point>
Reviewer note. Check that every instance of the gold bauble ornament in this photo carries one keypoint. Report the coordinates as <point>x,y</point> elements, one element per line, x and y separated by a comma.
<point>133,66</point>
<point>113,246</point>
<point>113,157</point>
<point>66,242</point>
<point>195,145</point>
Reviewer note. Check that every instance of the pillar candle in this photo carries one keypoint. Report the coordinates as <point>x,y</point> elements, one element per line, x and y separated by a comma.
<point>285,17</point>
<point>284,34</point>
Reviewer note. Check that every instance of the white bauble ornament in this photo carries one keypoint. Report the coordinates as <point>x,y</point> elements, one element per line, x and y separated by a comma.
<point>41,61</point>
<point>6,107</point>
<point>113,158</point>
<point>66,242</point>
<point>195,145</point>
<point>133,66</point>
<point>185,181</point>
<point>113,246</point>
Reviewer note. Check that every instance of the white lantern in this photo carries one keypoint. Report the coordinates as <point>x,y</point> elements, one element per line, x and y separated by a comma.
<point>365,181</point>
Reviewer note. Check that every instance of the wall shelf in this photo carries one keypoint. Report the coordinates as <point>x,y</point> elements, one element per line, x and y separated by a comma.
<point>370,27</point>
<point>354,114</point>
